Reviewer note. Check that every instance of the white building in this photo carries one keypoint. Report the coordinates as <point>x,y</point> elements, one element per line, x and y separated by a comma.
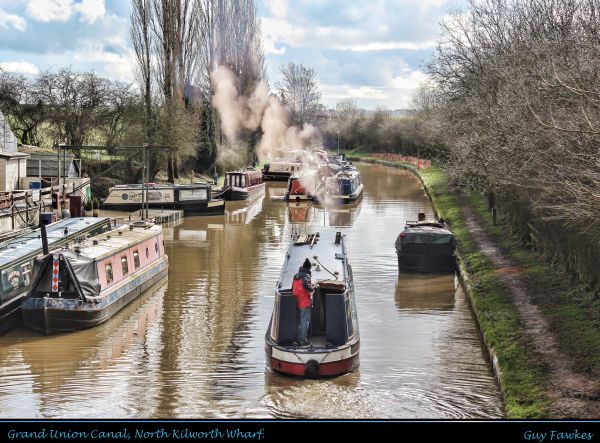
<point>12,162</point>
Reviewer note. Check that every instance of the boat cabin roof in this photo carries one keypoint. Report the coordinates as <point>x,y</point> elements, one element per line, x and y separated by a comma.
<point>330,257</point>
<point>164,186</point>
<point>118,239</point>
<point>248,172</point>
<point>31,242</point>
<point>426,227</point>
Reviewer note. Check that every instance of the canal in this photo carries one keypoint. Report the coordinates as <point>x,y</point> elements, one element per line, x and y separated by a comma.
<point>193,346</point>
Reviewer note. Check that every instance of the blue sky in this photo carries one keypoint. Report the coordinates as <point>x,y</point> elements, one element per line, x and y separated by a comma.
<point>372,51</point>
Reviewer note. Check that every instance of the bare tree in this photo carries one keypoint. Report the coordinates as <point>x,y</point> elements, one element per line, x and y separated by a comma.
<point>299,91</point>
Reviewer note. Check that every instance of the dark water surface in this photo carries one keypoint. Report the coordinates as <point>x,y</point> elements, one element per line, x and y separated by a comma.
<point>194,346</point>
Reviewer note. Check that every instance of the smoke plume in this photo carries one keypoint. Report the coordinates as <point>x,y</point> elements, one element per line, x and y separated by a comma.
<point>260,109</point>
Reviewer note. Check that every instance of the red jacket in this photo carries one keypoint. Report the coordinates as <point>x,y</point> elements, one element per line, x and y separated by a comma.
<point>301,289</point>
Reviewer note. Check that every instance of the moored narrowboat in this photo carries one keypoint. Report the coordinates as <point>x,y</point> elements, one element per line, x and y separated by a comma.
<point>243,185</point>
<point>16,260</point>
<point>426,247</point>
<point>281,169</point>
<point>193,199</point>
<point>333,335</point>
<point>81,287</point>
<point>344,187</point>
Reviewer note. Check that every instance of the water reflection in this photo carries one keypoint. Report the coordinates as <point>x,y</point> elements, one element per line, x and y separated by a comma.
<point>425,292</point>
<point>199,352</point>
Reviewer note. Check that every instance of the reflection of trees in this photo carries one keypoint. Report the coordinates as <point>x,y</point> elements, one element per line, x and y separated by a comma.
<point>382,184</point>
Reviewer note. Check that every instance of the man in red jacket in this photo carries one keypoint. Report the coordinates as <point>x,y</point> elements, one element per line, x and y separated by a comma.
<point>302,289</point>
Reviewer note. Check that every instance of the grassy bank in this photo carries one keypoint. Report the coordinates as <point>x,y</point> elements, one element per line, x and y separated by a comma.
<point>522,377</point>
<point>572,312</point>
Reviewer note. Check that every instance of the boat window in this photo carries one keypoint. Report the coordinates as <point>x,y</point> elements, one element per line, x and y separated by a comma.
<point>156,247</point>
<point>124,265</point>
<point>136,259</point>
<point>193,194</point>
<point>109,273</point>
<point>147,253</point>
<point>242,181</point>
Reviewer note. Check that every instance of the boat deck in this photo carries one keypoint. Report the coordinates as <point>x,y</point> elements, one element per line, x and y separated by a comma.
<point>326,251</point>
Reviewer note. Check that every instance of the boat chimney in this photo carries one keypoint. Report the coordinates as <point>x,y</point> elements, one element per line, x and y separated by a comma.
<point>44,239</point>
<point>338,237</point>
<point>421,216</point>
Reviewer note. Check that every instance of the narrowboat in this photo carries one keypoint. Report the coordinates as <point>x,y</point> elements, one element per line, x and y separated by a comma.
<point>16,260</point>
<point>81,287</point>
<point>426,247</point>
<point>193,199</point>
<point>243,185</point>
<point>333,335</point>
<point>281,169</point>
<point>344,187</point>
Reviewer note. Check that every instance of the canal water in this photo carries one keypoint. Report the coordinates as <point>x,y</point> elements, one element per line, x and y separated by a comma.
<point>193,346</point>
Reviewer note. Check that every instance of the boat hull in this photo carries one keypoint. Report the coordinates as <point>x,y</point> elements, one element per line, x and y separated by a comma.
<point>10,313</point>
<point>237,194</point>
<point>312,363</point>
<point>216,207</point>
<point>276,176</point>
<point>46,316</point>
<point>426,264</point>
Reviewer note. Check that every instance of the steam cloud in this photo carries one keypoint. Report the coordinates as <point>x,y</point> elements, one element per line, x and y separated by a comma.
<point>260,109</point>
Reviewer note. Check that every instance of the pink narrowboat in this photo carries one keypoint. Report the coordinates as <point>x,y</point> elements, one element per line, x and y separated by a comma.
<point>81,287</point>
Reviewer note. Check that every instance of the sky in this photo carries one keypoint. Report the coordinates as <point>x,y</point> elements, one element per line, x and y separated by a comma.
<point>371,51</point>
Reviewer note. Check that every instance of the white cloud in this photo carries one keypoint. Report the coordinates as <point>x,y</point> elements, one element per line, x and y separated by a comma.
<point>21,67</point>
<point>90,10</point>
<point>410,81</point>
<point>8,20</point>
<point>386,46</point>
<point>115,66</point>
<point>62,10</point>
<point>366,92</point>
<point>278,8</point>
<point>50,10</point>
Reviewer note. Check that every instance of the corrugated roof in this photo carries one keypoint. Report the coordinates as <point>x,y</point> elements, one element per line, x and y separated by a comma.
<point>31,242</point>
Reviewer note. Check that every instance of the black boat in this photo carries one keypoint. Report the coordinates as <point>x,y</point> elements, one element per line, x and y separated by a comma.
<point>193,199</point>
<point>16,260</point>
<point>426,247</point>
<point>333,333</point>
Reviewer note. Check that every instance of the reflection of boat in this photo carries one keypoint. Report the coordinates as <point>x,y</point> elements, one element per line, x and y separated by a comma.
<point>425,246</point>
<point>242,185</point>
<point>333,334</point>
<point>276,190</point>
<point>425,292</point>
<point>16,260</point>
<point>54,361</point>
<point>193,199</point>
<point>240,213</point>
<point>81,288</point>
<point>344,215</point>
<point>299,211</point>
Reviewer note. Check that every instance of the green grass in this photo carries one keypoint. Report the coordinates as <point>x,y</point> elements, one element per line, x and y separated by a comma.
<point>522,379</point>
<point>572,312</point>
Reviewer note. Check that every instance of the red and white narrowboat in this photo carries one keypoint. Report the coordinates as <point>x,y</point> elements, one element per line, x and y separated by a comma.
<point>333,336</point>
<point>81,287</point>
